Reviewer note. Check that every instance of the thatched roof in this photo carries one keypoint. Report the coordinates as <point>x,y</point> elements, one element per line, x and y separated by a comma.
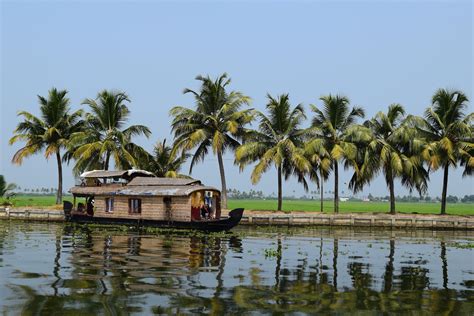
<point>96,190</point>
<point>126,174</point>
<point>142,181</point>
<point>162,190</point>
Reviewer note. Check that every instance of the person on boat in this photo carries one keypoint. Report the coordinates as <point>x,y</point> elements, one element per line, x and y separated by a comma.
<point>80,208</point>
<point>90,206</point>
<point>208,200</point>
<point>204,211</point>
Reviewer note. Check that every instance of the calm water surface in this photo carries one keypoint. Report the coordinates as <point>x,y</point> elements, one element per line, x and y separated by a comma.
<point>58,269</point>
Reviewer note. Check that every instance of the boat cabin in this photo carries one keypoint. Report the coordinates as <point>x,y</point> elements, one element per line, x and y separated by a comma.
<point>138,194</point>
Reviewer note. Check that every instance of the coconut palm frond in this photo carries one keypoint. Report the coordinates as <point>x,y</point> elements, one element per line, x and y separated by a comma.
<point>105,134</point>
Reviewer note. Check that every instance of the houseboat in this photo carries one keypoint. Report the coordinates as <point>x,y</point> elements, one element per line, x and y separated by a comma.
<point>138,197</point>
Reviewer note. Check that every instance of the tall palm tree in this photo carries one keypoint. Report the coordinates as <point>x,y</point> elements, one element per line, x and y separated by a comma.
<point>105,135</point>
<point>50,132</point>
<point>164,162</point>
<point>332,126</point>
<point>449,135</point>
<point>395,150</point>
<point>278,142</point>
<point>217,122</point>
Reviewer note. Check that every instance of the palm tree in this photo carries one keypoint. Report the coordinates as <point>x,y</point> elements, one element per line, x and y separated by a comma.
<point>321,167</point>
<point>448,132</point>
<point>468,160</point>
<point>6,189</point>
<point>321,162</point>
<point>334,134</point>
<point>105,135</point>
<point>217,122</point>
<point>164,162</point>
<point>395,150</point>
<point>277,142</point>
<point>51,132</point>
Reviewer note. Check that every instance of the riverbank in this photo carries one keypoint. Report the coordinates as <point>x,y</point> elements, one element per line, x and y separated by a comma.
<point>314,206</point>
<point>289,205</point>
<point>37,214</point>
<point>462,222</point>
<point>453,222</point>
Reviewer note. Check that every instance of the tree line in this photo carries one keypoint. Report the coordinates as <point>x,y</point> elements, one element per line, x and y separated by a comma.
<point>393,143</point>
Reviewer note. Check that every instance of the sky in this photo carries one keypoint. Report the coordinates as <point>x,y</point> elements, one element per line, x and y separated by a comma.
<point>374,52</point>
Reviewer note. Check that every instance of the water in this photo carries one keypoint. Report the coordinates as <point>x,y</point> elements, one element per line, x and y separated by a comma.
<point>58,269</point>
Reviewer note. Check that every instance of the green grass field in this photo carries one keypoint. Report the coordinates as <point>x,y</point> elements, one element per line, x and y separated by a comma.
<point>353,206</point>
<point>37,200</point>
<point>294,205</point>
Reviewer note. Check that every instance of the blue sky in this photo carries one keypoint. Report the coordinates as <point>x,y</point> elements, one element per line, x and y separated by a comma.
<point>376,53</point>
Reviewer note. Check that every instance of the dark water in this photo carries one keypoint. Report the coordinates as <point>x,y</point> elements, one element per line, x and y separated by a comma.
<point>56,269</point>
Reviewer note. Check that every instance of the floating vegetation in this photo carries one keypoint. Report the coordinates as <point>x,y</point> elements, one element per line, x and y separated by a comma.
<point>469,245</point>
<point>272,253</point>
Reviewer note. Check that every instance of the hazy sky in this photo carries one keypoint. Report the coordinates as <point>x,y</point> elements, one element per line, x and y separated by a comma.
<point>375,53</point>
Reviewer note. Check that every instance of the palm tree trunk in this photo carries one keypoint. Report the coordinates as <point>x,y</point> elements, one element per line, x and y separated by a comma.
<point>445,189</point>
<point>336,188</point>
<point>334,262</point>
<point>59,194</point>
<point>224,186</point>
<point>321,180</point>
<point>392,194</point>
<point>280,197</point>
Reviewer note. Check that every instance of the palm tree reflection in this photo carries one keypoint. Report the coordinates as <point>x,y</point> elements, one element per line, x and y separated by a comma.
<point>444,264</point>
<point>127,272</point>
<point>388,276</point>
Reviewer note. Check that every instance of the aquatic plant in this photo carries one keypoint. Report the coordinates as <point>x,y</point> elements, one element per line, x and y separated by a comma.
<point>272,253</point>
<point>469,245</point>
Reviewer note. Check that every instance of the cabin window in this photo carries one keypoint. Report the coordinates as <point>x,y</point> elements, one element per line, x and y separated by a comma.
<point>134,206</point>
<point>109,205</point>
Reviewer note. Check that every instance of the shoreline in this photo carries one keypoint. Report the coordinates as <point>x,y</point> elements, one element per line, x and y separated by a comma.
<point>296,218</point>
<point>401,220</point>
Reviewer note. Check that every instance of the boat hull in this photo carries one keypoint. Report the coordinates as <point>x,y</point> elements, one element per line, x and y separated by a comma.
<point>206,225</point>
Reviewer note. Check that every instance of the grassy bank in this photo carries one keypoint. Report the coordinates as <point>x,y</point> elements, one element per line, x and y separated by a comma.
<point>353,206</point>
<point>293,205</point>
<point>37,200</point>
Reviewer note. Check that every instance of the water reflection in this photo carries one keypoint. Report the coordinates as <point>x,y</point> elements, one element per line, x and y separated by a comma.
<point>62,269</point>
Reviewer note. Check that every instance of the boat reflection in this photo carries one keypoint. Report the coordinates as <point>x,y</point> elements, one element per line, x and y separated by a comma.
<point>116,272</point>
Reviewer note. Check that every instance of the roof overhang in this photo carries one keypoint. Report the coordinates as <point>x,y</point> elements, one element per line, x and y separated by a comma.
<point>126,174</point>
<point>178,190</point>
